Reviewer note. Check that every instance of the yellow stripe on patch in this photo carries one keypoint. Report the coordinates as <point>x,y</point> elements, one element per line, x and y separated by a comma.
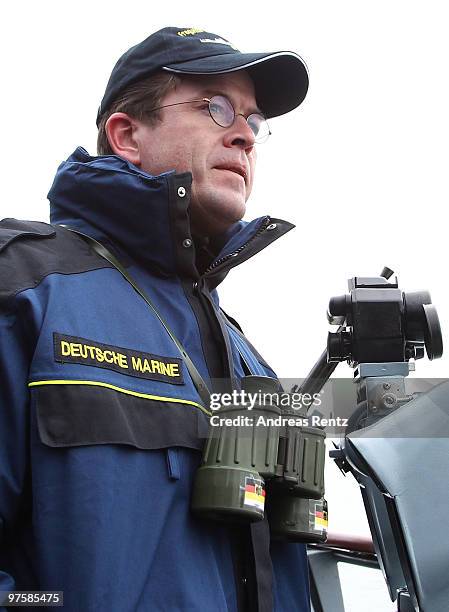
<point>94,383</point>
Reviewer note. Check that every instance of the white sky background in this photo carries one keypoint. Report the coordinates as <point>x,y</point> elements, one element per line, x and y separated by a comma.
<point>360,167</point>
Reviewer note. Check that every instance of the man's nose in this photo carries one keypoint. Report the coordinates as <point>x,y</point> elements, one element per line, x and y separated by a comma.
<point>240,134</point>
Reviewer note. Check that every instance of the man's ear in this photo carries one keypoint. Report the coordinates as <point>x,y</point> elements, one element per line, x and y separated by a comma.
<point>120,130</point>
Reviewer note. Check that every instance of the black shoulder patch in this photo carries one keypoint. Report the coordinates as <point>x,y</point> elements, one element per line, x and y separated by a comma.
<point>13,229</point>
<point>31,250</point>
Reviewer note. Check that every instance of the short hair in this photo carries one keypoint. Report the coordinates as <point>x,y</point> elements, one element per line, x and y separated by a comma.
<point>136,101</point>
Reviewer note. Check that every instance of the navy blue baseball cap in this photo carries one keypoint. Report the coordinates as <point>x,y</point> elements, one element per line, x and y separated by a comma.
<point>280,78</point>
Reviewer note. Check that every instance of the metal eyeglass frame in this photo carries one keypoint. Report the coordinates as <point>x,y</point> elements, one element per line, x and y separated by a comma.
<point>209,100</point>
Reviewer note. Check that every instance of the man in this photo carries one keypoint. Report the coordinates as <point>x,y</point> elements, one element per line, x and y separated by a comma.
<point>110,339</point>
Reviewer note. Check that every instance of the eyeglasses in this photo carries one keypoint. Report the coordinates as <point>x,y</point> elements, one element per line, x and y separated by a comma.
<point>223,114</point>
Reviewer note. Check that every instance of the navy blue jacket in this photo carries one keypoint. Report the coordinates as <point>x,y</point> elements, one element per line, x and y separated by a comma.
<point>101,428</point>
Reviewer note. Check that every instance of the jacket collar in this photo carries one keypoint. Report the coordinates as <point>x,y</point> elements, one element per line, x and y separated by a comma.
<point>145,218</point>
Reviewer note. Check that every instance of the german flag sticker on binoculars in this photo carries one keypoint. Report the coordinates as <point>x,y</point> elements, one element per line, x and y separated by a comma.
<point>254,493</point>
<point>321,521</point>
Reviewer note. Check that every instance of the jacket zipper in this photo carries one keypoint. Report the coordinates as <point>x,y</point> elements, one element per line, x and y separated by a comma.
<point>199,285</point>
<point>225,258</point>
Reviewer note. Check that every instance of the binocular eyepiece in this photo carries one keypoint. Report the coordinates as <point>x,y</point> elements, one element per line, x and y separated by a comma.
<point>258,460</point>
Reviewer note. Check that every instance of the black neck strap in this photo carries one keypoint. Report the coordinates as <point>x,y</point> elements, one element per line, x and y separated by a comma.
<point>101,250</point>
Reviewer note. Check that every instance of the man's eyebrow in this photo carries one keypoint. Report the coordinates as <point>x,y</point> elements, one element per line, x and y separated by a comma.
<point>209,93</point>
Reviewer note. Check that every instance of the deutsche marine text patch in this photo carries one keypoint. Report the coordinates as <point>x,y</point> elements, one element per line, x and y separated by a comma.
<point>71,349</point>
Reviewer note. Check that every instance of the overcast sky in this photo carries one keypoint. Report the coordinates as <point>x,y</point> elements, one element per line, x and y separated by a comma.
<point>360,167</point>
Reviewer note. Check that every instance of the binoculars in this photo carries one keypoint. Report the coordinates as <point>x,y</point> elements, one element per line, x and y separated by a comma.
<point>261,459</point>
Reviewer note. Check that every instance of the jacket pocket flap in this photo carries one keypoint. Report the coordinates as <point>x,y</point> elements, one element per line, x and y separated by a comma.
<point>85,414</point>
